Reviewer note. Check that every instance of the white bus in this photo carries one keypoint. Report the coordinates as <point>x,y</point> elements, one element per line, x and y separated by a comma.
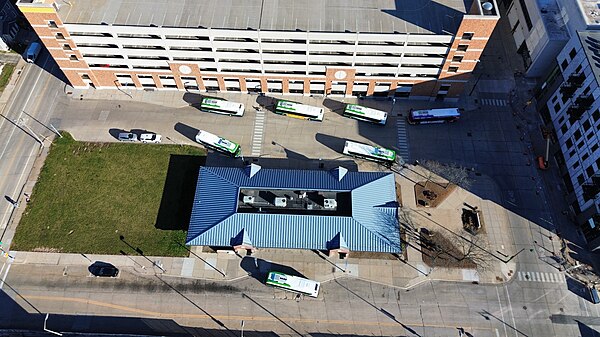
<point>368,152</point>
<point>221,106</point>
<point>218,143</point>
<point>365,114</point>
<point>298,110</point>
<point>433,116</point>
<point>293,283</point>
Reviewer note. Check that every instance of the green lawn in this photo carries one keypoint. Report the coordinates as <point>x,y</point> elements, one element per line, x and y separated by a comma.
<point>7,71</point>
<point>90,194</point>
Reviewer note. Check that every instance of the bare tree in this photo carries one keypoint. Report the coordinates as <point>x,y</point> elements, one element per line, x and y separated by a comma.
<point>474,248</point>
<point>453,173</point>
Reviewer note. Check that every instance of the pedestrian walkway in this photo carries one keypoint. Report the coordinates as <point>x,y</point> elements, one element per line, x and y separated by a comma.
<point>403,139</point>
<point>257,136</point>
<point>541,277</point>
<point>494,102</point>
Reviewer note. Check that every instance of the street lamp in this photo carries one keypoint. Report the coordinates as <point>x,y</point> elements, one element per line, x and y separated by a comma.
<point>21,122</point>
<point>48,330</point>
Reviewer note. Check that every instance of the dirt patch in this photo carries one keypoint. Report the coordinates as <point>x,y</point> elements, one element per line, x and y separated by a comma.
<point>432,194</point>
<point>439,251</point>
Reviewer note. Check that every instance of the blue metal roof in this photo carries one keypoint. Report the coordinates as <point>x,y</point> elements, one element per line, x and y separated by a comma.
<point>373,225</point>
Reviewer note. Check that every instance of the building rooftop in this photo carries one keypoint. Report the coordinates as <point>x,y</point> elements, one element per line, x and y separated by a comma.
<point>590,10</point>
<point>269,208</point>
<point>375,16</point>
<point>553,20</point>
<point>590,40</point>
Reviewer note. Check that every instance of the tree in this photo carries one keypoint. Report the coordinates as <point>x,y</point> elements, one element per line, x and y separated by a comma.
<point>474,248</point>
<point>453,173</point>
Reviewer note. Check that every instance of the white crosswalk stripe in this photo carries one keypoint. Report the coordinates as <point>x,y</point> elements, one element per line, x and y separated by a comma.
<point>494,102</point>
<point>535,276</point>
<point>257,137</point>
<point>402,138</point>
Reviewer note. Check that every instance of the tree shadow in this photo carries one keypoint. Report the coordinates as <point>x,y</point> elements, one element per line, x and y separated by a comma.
<point>186,130</point>
<point>178,192</point>
<point>259,268</point>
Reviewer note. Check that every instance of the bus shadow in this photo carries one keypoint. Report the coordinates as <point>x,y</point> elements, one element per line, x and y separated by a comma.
<point>334,106</point>
<point>259,268</point>
<point>334,143</point>
<point>186,130</point>
<point>266,102</point>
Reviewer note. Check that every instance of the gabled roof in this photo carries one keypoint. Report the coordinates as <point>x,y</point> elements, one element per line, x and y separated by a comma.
<point>373,225</point>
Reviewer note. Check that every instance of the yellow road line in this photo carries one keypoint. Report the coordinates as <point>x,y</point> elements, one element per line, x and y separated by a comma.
<point>236,318</point>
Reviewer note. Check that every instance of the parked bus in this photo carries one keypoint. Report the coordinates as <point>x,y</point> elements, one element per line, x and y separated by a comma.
<point>221,106</point>
<point>298,110</point>
<point>365,114</point>
<point>293,283</point>
<point>368,152</point>
<point>218,144</point>
<point>433,116</point>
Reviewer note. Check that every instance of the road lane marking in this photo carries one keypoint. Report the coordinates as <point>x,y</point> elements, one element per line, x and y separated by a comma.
<point>236,318</point>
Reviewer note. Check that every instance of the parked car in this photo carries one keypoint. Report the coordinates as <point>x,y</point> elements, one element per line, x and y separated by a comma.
<point>103,269</point>
<point>150,137</point>
<point>128,137</point>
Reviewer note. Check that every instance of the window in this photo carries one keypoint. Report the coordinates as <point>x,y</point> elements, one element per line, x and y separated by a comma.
<point>578,69</point>
<point>594,148</point>
<point>557,107</point>
<point>457,58</point>
<point>596,115</point>
<point>467,36</point>
<point>452,69</point>
<point>59,36</point>
<point>85,76</point>
<point>462,47</point>
<point>577,135</point>
<point>564,64</point>
<point>52,24</point>
<point>590,171</point>
<point>576,165</point>
<point>569,143</point>
<point>580,179</point>
<point>572,53</point>
<point>73,58</point>
<point>553,100</point>
<point>526,14</point>
<point>586,125</point>
<point>444,87</point>
<point>564,129</point>
<point>572,153</point>
<point>585,156</point>
<point>67,47</point>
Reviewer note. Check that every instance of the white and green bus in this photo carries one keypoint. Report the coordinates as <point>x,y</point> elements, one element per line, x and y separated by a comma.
<point>368,152</point>
<point>298,110</point>
<point>218,143</point>
<point>293,283</point>
<point>365,114</point>
<point>221,106</point>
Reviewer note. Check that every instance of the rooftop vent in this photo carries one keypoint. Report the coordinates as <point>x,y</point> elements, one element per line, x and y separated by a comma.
<point>280,202</point>
<point>248,199</point>
<point>329,203</point>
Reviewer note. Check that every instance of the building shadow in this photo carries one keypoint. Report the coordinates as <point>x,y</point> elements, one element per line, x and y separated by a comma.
<point>412,13</point>
<point>258,268</point>
<point>578,288</point>
<point>178,192</point>
<point>587,331</point>
<point>186,130</point>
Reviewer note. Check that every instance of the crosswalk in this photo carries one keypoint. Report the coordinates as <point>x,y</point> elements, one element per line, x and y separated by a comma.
<point>402,139</point>
<point>494,101</point>
<point>541,277</point>
<point>257,137</point>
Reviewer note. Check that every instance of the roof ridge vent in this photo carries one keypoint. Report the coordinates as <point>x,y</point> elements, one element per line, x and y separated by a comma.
<point>339,172</point>
<point>252,169</point>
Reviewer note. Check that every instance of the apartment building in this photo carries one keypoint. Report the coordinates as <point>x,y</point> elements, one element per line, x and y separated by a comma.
<point>573,108</point>
<point>542,28</point>
<point>422,50</point>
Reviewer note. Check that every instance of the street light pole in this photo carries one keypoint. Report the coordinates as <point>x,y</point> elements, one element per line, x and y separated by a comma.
<point>21,122</point>
<point>242,329</point>
<point>48,330</point>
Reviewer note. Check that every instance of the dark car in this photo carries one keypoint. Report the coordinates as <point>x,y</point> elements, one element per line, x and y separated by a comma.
<point>103,269</point>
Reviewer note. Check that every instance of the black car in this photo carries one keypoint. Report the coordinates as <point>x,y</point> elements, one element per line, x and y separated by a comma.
<point>103,269</point>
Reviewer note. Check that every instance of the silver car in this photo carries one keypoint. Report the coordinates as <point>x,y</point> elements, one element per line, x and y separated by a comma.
<point>128,137</point>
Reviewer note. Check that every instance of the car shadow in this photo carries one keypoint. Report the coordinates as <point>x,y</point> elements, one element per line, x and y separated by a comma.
<point>115,132</point>
<point>93,268</point>
<point>178,192</point>
<point>186,130</point>
<point>259,268</point>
